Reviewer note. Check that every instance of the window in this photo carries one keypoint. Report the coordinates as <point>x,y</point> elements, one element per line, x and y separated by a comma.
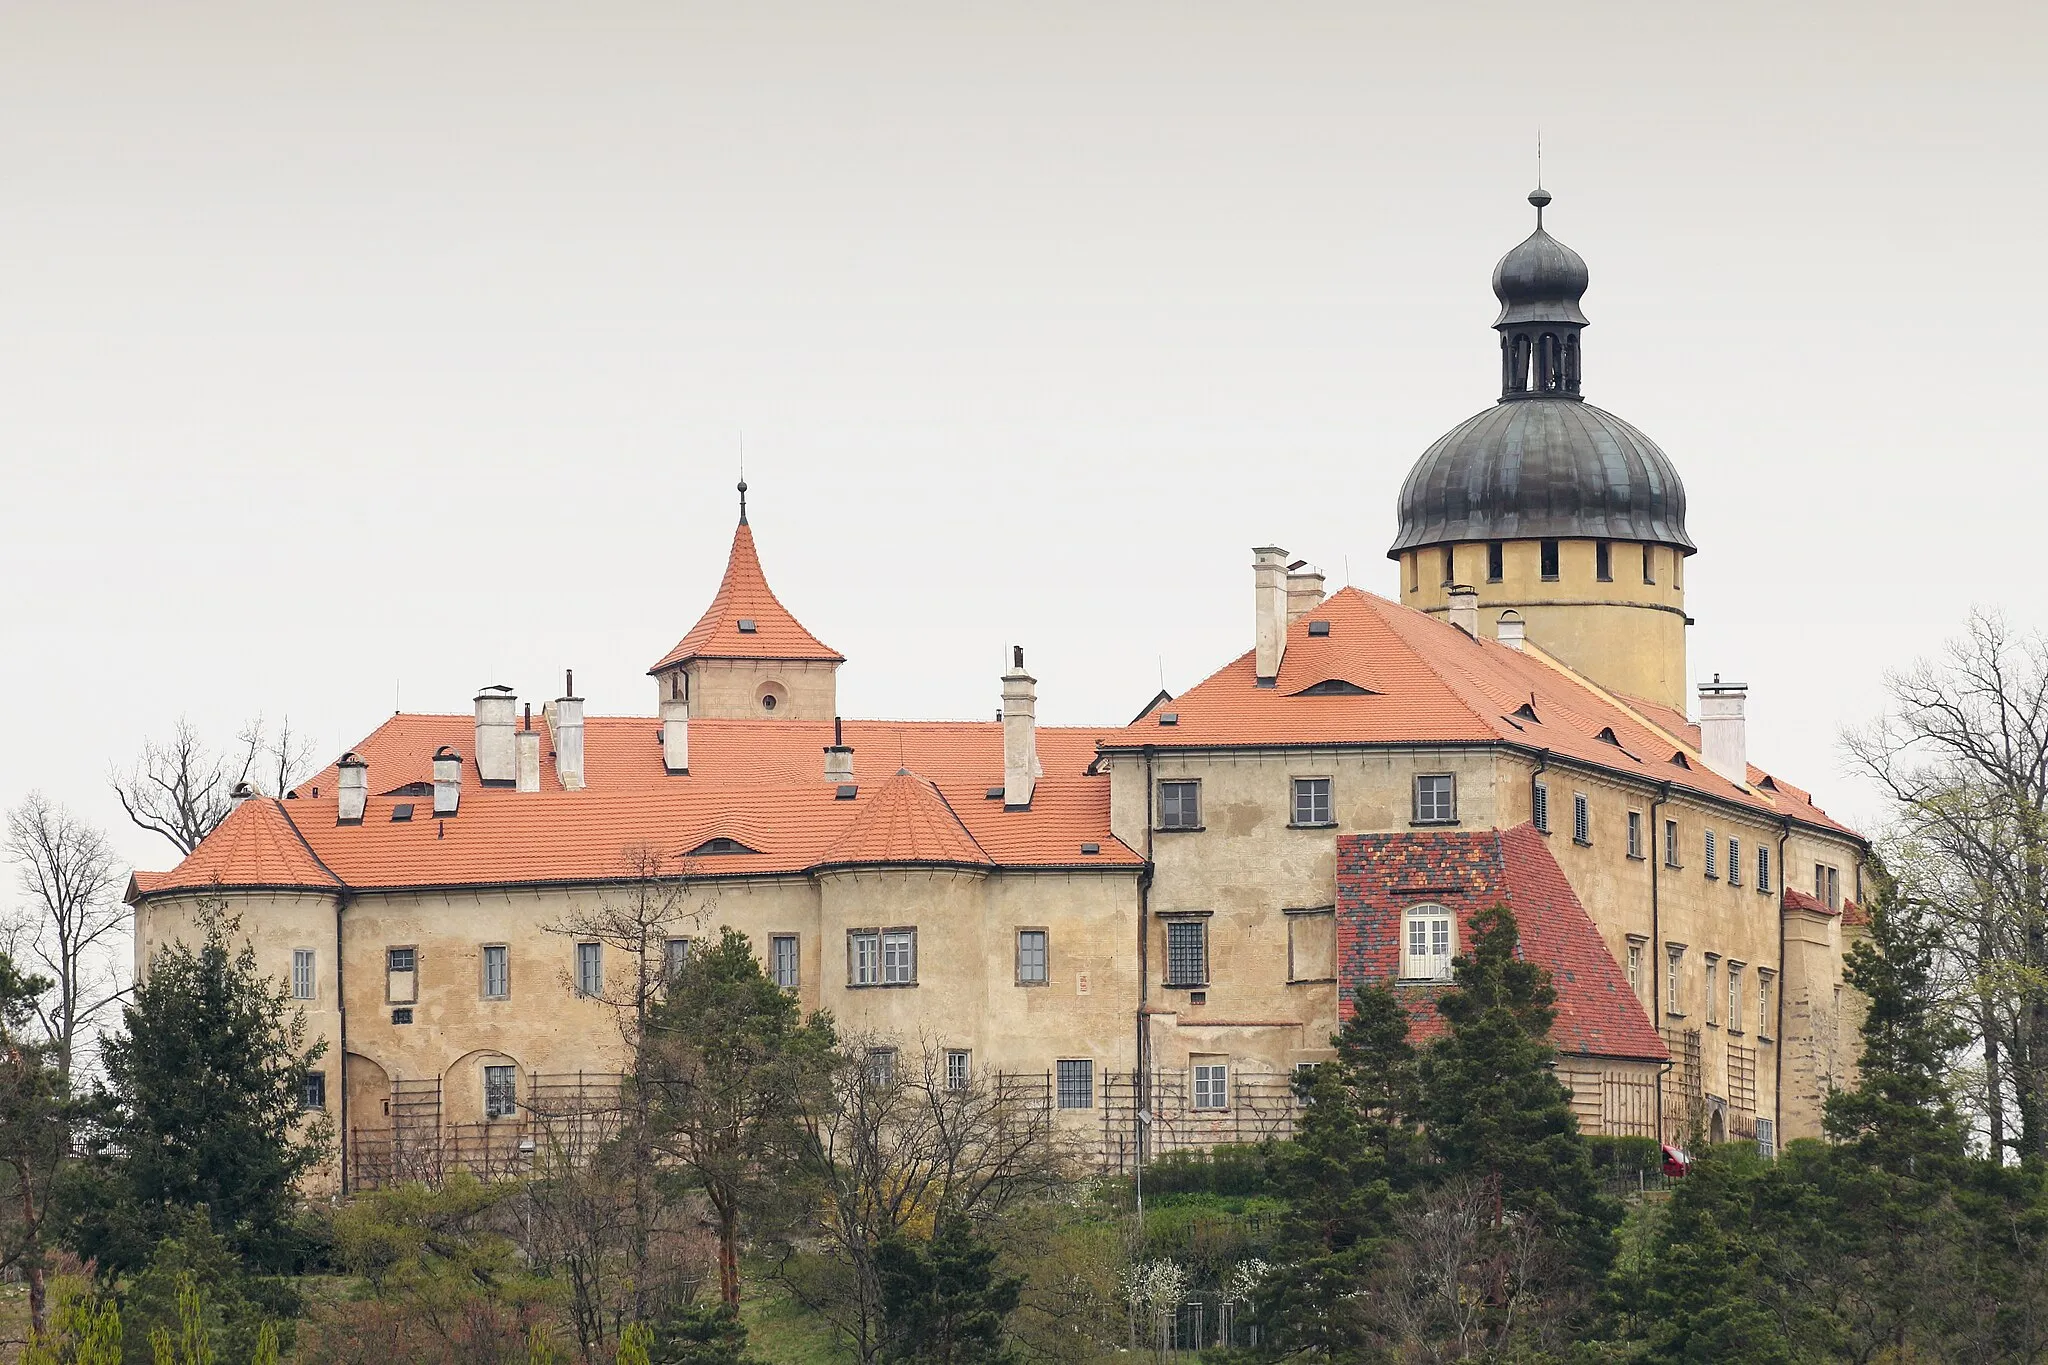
<point>674,953</point>
<point>1767,1139</point>
<point>1312,801</point>
<point>1674,977</point>
<point>590,969</point>
<point>1827,886</point>
<point>864,958</point>
<point>1180,805</point>
<point>401,975</point>
<point>302,973</point>
<point>1436,801</point>
<point>1582,820</point>
<point>1735,997</point>
<point>1075,1081</point>
<point>1635,834</point>
<point>959,1069</point>
<point>1493,561</point>
<point>1763,1003</point>
<point>1734,861</point>
<point>1212,1085</point>
<point>1187,952</point>
<point>1671,843</point>
<point>1713,969</point>
<point>1763,868</point>
<point>1427,945</point>
<point>1649,564</point>
<point>1415,572</point>
<point>1550,560</point>
<point>783,960</point>
<point>1603,563</point>
<point>1713,858</point>
<point>313,1094</point>
<point>1450,566</point>
<point>1635,966</point>
<point>899,957</point>
<point>501,1092</point>
<point>1539,808</point>
<point>497,971</point>
<point>882,1066</point>
<point>1031,958</point>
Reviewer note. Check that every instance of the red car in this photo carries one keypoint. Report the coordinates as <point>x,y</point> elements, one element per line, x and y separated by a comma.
<point>1676,1162</point>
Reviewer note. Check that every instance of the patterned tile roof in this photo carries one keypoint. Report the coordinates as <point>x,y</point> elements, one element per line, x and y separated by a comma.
<point>745,619</point>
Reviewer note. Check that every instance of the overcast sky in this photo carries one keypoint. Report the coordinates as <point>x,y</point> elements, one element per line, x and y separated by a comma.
<point>360,351</point>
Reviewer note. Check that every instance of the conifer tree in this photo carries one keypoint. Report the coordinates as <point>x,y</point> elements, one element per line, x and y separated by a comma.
<point>943,1303</point>
<point>1708,1292</point>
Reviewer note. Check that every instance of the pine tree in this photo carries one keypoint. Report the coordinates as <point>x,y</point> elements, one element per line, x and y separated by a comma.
<point>943,1302</point>
<point>697,1334</point>
<point>36,1114</point>
<point>1708,1293</point>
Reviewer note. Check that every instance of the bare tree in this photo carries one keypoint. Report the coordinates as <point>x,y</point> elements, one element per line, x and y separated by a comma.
<point>657,901</point>
<point>1462,1281</point>
<point>72,924</point>
<point>181,788</point>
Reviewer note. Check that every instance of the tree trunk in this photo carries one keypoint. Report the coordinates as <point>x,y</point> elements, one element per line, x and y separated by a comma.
<point>38,1298</point>
<point>729,1257</point>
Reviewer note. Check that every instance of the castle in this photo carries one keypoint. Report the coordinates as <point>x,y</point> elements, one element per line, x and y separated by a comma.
<point>1166,915</point>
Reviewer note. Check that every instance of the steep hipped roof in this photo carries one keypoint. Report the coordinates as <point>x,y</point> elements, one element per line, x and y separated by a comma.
<point>907,821</point>
<point>744,597</point>
<point>258,845</point>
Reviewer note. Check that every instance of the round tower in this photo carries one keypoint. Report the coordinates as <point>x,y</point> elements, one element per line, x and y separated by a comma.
<point>1549,506</point>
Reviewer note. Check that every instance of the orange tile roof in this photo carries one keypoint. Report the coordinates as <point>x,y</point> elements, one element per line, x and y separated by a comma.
<point>744,595</point>
<point>257,845</point>
<point>907,821</point>
<point>1799,900</point>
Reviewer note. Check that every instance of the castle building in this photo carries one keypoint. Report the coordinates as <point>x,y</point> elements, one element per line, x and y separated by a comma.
<point>1169,914</point>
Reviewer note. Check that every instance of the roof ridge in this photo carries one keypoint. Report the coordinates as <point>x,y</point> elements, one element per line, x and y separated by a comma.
<point>300,835</point>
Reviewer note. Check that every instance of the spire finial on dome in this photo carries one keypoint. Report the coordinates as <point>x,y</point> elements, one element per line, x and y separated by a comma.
<point>743,502</point>
<point>1540,197</point>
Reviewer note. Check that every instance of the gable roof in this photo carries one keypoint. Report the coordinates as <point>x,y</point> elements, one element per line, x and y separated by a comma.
<point>744,595</point>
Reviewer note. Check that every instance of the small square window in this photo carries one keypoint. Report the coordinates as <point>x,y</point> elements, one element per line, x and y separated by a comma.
<point>1312,801</point>
<point>1212,1085</point>
<point>1436,800</point>
<point>400,959</point>
<point>497,971</point>
<point>501,1092</point>
<point>302,974</point>
<point>1075,1083</point>
<point>1582,819</point>
<point>402,1015</point>
<point>1180,805</point>
<point>783,960</point>
<point>1032,964</point>
<point>1187,952</point>
<point>1549,565</point>
<point>959,1069</point>
<point>313,1094</point>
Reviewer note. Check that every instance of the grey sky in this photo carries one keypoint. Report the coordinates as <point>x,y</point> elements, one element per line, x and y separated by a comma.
<point>356,345</point>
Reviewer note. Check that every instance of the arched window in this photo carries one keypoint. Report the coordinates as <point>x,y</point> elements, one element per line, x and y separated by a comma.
<point>1546,364</point>
<point>1518,372</point>
<point>1571,363</point>
<point>1428,939</point>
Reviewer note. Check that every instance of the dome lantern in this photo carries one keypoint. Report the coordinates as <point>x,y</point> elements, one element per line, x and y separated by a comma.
<point>1539,285</point>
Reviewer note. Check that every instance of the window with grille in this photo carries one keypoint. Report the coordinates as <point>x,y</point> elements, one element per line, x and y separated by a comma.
<point>882,1065</point>
<point>1582,819</point>
<point>497,971</point>
<point>674,953</point>
<point>1312,801</point>
<point>1734,861</point>
<point>1674,977</point>
<point>959,1069</point>
<point>1187,952</point>
<point>1713,968</point>
<point>1180,805</point>
<point>1032,967</point>
<point>899,957</point>
<point>1539,808</point>
<point>590,969</point>
<point>1212,1086</point>
<point>501,1092</point>
<point>1427,944</point>
<point>1075,1083</point>
<point>302,974</point>
<point>1549,554</point>
<point>1713,861</point>
<point>864,958</point>
<point>1671,843</point>
<point>1735,997</point>
<point>1435,799</point>
<point>313,1093</point>
<point>783,960</point>
<point>1635,834</point>
<point>1763,869</point>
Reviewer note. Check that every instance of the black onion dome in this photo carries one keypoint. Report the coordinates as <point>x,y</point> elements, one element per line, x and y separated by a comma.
<point>1542,467</point>
<point>1541,280</point>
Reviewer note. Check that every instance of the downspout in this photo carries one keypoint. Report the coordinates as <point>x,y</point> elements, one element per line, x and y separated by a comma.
<point>341,899</point>
<point>1778,1026</point>
<point>1542,767</point>
<point>1143,1088</point>
<point>1658,955</point>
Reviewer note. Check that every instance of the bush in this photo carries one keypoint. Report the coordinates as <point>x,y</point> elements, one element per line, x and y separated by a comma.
<point>1625,1156</point>
<point>1241,1170</point>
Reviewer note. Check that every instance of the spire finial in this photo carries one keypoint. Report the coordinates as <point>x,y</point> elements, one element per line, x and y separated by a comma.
<point>1539,197</point>
<point>743,502</point>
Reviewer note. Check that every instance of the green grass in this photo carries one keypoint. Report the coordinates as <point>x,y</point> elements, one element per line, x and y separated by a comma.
<point>782,1331</point>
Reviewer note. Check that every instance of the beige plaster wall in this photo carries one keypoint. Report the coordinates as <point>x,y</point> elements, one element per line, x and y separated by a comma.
<point>731,689</point>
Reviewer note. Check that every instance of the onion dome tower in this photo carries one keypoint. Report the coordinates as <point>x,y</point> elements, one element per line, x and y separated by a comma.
<point>1549,506</point>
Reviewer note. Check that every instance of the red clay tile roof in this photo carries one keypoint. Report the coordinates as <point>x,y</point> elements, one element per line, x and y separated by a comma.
<point>744,595</point>
<point>1854,914</point>
<point>1799,900</point>
<point>1381,875</point>
<point>258,845</point>
<point>906,821</point>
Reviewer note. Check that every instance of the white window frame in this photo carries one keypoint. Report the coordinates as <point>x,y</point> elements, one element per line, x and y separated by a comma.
<point>1309,793</point>
<point>899,957</point>
<point>959,1069</point>
<point>1674,977</point>
<point>501,1091</point>
<point>501,989</point>
<point>590,969</point>
<point>305,979</point>
<point>1212,1085</point>
<point>1735,997</point>
<point>1635,965</point>
<point>785,952</point>
<point>864,957</point>
<point>1434,929</point>
<point>1764,977</point>
<point>1433,811</point>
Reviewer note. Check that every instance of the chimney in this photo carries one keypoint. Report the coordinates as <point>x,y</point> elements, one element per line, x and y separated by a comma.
<point>526,755</point>
<point>1269,596</point>
<point>447,780</point>
<point>1508,630</point>
<point>242,792</point>
<point>838,755</point>
<point>353,789</point>
<point>568,724</point>
<point>1304,590</point>
<point>1020,734</point>
<point>1464,613</point>
<point>1724,733</point>
<point>675,727</point>
<point>495,710</point>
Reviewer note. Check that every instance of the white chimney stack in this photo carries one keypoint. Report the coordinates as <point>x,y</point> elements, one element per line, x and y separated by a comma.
<point>839,754</point>
<point>447,780</point>
<point>526,755</point>
<point>242,792</point>
<point>1724,730</point>
<point>1304,590</point>
<point>1509,629</point>
<point>1269,618</point>
<point>495,711</point>
<point>353,790</point>
<point>1020,734</point>
<point>568,726</point>
<point>675,728</point>
<point>1464,613</point>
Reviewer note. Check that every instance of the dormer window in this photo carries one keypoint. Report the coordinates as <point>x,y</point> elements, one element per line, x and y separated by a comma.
<point>746,625</point>
<point>1428,940</point>
<point>719,845</point>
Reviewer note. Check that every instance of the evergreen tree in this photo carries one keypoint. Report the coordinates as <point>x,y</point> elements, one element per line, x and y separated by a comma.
<point>202,1110</point>
<point>1709,1290</point>
<point>35,1124</point>
<point>943,1302</point>
<point>695,1334</point>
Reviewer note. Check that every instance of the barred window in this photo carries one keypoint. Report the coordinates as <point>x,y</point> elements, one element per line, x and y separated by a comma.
<point>1435,800</point>
<point>302,974</point>
<point>959,1069</point>
<point>1582,819</point>
<point>313,1093</point>
<point>1031,957</point>
<point>1076,1084</point>
<point>1180,805</point>
<point>1539,808</point>
<point>497,971</point>
<point>1212,1086</point>
<point>501,1092</point>
<point>590,969</point>
<point>899,957</point>
<point>1312,801</point>
<point>1187,952</point>
<point>783,960</point>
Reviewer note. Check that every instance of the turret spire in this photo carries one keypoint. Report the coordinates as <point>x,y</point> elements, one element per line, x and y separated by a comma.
<point>1539,284</point>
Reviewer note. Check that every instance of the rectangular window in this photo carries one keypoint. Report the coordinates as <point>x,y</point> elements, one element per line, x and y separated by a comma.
<point>882,1065</point>
<point>401,976</point>
<point>1735,997</point>
<point>1032,966</point>
<point>1635,967</point>
<point>302,973</point>
<point>864,958</point>
<point>497,971</point>
<point>1674,977</point>
<point>1212,1085</point>
<point>1549,566</point>
<point>1827,886</point>
<point>1427,954</point>
<point>1767,1139</point>
<point>1671,843</point>
<point>1603,563</point>
<point>590,969</point>
<point>1415,572</point>
<point>674,953</point>
<point>783,960</point>
<point>1649,564</point>
<point>1763,869</point>
<point>1582,819</point>
<point>1436,801</point>
<point>959,1069</point>
<point>1180,805</point>
<point>1312,801</point>
<point>313,1095</point>
<point>1635,834</point>
<point>1734,861</point>
<point>1713,857</point>
<point>1763,1003</point>
<point>1713,976</point>
<point>1539,808</point>
<point>899,957</point>
<point>1493,561</point>
<point>1187,952</point>
<point>1450,567</point>
<point>501,1092</point>
<point>1076,1084</point>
